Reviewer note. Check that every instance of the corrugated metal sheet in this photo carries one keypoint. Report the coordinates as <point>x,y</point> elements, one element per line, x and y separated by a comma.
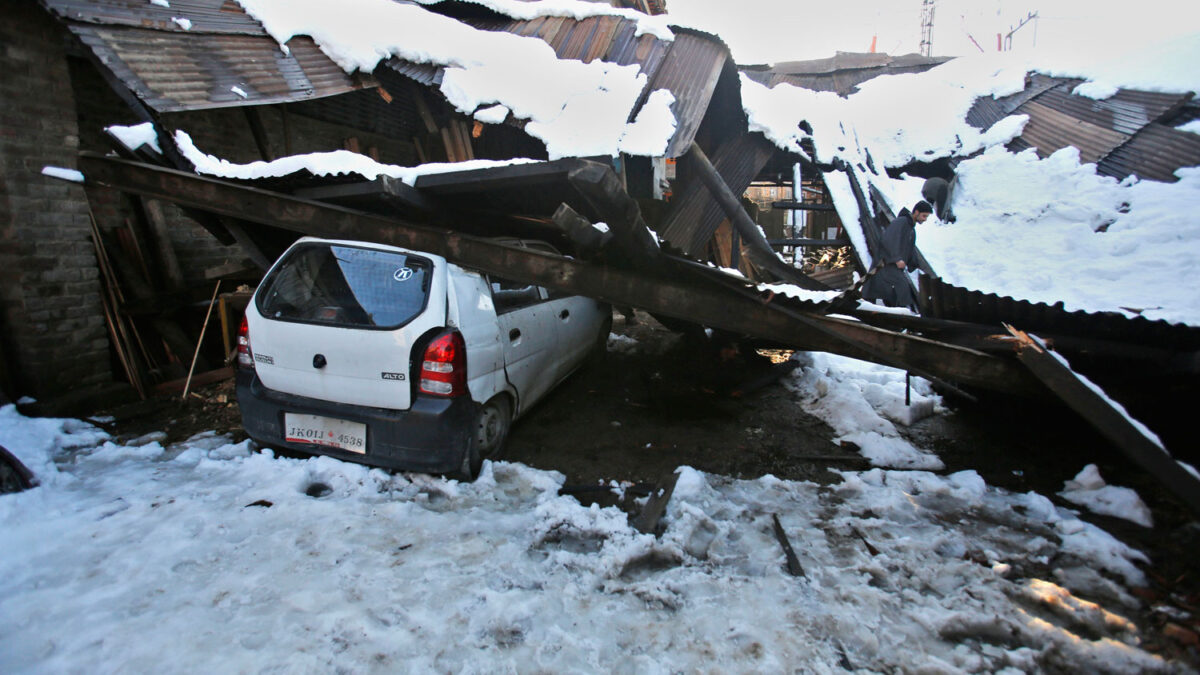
<point>1121,134</point>
<point>688,67</point>
<point>1050,130</point>
<point>843,72</point>
<point>1126,112</point>
<point>988,110</point>
<point>172,72</point>
<point>690,71</point>
<point>696,215</point>
<point>1154,153</point>
<point>206,16</point>
<point>959,304</point>
<point>365,109</point>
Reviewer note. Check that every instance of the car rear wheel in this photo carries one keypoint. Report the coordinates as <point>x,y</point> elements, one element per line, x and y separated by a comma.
<point>491,432</point>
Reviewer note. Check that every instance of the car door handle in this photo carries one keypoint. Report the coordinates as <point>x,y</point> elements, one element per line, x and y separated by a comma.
<point>564,314</point>
<point>514,334</point>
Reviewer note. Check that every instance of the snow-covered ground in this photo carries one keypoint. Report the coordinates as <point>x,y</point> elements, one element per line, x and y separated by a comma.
<point>209,556</point>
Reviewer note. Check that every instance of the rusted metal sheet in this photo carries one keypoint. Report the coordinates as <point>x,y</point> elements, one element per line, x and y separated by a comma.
<point>366,110</point>
<point>1050,130</point>
<point>421,73</point>
<point>1155,152</point>
<point>988,110</point>
<point>1108,418</point>
<point>688,67</point>
<point>1122,133</point>
<point>206,16</point>
<point>172,72</point>
<point>1125,112</point>
<point>690,72</point>
<point>695,215</point>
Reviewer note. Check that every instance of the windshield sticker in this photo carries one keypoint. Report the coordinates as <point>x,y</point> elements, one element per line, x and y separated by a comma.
<point>403,274</point>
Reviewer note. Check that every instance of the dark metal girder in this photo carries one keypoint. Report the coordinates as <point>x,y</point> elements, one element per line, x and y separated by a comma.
<point>660,289</point>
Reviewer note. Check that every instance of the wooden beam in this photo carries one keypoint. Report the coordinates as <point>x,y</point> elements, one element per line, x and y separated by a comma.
<point>793,563</point>
<point>656,283</point>
<point>259,131</point>
<point>646,522</point>
<point>1107,417</point>
<point>167,260</point>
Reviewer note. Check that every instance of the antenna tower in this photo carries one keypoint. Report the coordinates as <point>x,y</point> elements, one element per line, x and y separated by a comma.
<point>927,7</point>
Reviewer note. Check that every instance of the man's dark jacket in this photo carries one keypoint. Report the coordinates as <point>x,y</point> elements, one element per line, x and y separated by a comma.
<point>890,285</point>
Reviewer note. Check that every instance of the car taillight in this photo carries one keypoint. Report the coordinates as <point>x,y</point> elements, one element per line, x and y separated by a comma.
<point>444,368</point>
<point>245,356</point>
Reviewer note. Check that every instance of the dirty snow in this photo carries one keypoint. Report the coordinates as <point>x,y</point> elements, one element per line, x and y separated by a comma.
<point>243,561</point>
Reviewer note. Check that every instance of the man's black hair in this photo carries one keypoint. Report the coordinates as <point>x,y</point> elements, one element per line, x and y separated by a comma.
<point>922,207</point>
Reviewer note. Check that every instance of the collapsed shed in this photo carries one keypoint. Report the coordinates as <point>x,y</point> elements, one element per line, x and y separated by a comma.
<point>644,228</point>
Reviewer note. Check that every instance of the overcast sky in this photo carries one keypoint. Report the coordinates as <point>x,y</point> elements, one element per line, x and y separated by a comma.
<point>768,31</point>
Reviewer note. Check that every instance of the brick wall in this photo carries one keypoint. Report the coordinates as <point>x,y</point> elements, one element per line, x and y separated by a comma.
<point>54,333</point>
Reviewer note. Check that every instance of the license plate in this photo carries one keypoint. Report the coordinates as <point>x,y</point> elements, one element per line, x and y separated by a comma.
<point>327,431</point>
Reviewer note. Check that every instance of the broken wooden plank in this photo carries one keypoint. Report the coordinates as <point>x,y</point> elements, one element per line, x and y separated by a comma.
<point>1108,417</point>
<point>646,522</point>
<point>199,380</point>
<point>793,563</point>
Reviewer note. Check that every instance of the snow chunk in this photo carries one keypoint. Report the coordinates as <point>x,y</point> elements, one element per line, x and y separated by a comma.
<point>651,132</point>
<point>72,175</point>
<point>1088,489</point>
<point>136,136</point>
<point>185,24</point>
<point>492,115</point>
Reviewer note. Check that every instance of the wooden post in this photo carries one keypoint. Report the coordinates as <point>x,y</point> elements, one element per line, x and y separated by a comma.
<point>200,340</point>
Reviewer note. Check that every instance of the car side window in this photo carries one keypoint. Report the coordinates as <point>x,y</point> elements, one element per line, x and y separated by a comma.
<point>509,295</point>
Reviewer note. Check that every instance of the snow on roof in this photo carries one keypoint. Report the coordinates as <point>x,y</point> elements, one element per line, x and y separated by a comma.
<point>577,109</point>
<point>333,163</point>
<point>573,9</point>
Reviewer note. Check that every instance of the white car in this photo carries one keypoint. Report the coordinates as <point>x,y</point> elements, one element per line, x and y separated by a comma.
<point>401,359</point>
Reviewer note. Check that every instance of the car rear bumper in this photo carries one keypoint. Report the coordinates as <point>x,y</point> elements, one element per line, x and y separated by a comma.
<point>431,436</point>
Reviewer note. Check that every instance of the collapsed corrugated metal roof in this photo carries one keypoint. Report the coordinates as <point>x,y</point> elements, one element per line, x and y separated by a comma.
<point>1127,133</point>
<point>947,301</point>
<point>843,72</point>
<point>220,57</point>
<point>688,66</point>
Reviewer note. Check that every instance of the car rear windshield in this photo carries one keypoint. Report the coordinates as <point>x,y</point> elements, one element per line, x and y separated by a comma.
<point>346,286</point>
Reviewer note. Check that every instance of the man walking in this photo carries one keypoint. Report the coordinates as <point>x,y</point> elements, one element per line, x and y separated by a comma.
<point>890,284</point>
